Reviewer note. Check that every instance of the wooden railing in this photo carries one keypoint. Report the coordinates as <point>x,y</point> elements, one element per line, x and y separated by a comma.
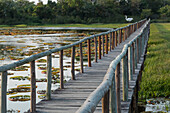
<point>113,37</point>
<point>110,87</point>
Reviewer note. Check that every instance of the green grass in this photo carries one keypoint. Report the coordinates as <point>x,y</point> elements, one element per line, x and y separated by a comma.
<point>156,74</point>
<point>99,25</point>
<point>88,25</point>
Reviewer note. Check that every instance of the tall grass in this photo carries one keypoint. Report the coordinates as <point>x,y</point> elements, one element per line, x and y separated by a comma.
<point>156,74</point>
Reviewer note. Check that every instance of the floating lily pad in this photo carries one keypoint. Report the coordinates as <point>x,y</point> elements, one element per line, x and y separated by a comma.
<point>19,98</point>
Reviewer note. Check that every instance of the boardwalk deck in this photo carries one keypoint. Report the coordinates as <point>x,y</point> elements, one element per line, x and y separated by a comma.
<point>75,92</point>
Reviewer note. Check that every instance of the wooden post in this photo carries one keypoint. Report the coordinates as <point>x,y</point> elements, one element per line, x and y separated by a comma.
<point>133,57</point>
<point>89,53</point>
<point>124,34</point>
<point>106,41</point>
<point>137,50</point>
<point>110,40</point>
<point>72,63</point>
<point>113,40</point>
<point>130,65</point>
<point>136,56</point>
<point>61,70</point>
<point>105,103</point>
<point>120,35</point>
<point>117,80</point>
<point>33,87</point>
<point>99,39</point>
<point>81,58</point>
<point>95,45</point>
<point>103,45</point>
<point>3,92</point>
<point>49,76</point>
<point>125,78</point>
<point>113,101</point>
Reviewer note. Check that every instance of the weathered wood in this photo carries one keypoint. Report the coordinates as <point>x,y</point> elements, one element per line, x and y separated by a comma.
<point>95,45</point>
<point>106,41</point>
<point>113,40</point>
<point>33,87</point>
<point>133,57</point>
<point>130,62</point>
<point>136,53</point>
<point>117,81</point>
<point>72,63</point>
<point>105,103</point>
<point>125,78</point>
<point>99,44</point>
<point>120,35</point>
<point>89,53</point>
<point>61,70</point>
<point>3,92</point>
<point>110,40</point>
<point>137,44</point>
<point>124,34</point>
<point>81,58</point>
<point>103,45</point>
<point>49,76</point>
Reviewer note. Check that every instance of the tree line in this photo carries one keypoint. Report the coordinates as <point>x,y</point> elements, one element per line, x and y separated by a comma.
<point>81,11</point>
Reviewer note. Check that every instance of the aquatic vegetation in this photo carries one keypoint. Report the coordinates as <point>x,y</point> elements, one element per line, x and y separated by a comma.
<point>42,96</point>
<point>20,78</point>
<point>41,92</point>
<point>19,98</point>
<point>41,60</point>
<point>21,68</point>
<point>24,86</point>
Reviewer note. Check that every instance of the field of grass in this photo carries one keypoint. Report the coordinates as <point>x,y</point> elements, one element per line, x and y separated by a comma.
<point>117,25</point>
<point>99,25</point>
<point>156,74</point>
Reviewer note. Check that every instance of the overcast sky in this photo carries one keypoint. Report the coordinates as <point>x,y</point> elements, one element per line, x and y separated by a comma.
<point>44,1</point>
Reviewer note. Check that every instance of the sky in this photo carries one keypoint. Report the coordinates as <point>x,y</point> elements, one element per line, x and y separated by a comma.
<point>44,1</point>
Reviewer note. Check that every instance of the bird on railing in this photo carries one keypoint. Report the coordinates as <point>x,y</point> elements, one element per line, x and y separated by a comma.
<point>128,19</point>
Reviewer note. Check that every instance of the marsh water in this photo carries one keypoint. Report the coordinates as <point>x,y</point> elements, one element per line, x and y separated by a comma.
<point>18,44</point>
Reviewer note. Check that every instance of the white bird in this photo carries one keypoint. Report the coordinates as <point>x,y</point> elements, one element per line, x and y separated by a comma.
<point>128,19</point>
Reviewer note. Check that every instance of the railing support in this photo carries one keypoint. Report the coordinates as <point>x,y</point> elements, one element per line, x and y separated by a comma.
<point>105,103</point>
<point>125,77</point>
<point>81,58</point>
<point>117,80</point>
<point>116,38</point>
<point>89,53</point>
<point>95,45</point>
<point>110,40</point>
<point>113,40</point>
<point>3,92</point>
<point>130,62</point>
<point>103,45</point>
<point>106,41</point>
<point>49,76</point>
<point>99,40</point>
<point>61,70</point>
<point>33,87</point>
<point>72,63</point>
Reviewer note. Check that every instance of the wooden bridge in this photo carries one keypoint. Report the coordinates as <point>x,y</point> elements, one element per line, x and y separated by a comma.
<point>109,84</point>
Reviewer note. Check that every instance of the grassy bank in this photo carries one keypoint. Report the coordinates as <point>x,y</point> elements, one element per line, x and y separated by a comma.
<point>99,25</point>
<point>156,74</point>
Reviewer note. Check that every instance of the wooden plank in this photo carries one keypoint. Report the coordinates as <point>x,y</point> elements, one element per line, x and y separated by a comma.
<point>103,45</point>
<point>106,43</point>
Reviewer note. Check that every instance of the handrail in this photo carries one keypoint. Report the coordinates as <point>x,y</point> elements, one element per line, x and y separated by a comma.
<point>95,97</point>
<point>115,38</point>
<point>48,52</point>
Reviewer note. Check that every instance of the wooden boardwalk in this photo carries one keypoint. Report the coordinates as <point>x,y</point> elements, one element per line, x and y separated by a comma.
<point>75,92</point>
